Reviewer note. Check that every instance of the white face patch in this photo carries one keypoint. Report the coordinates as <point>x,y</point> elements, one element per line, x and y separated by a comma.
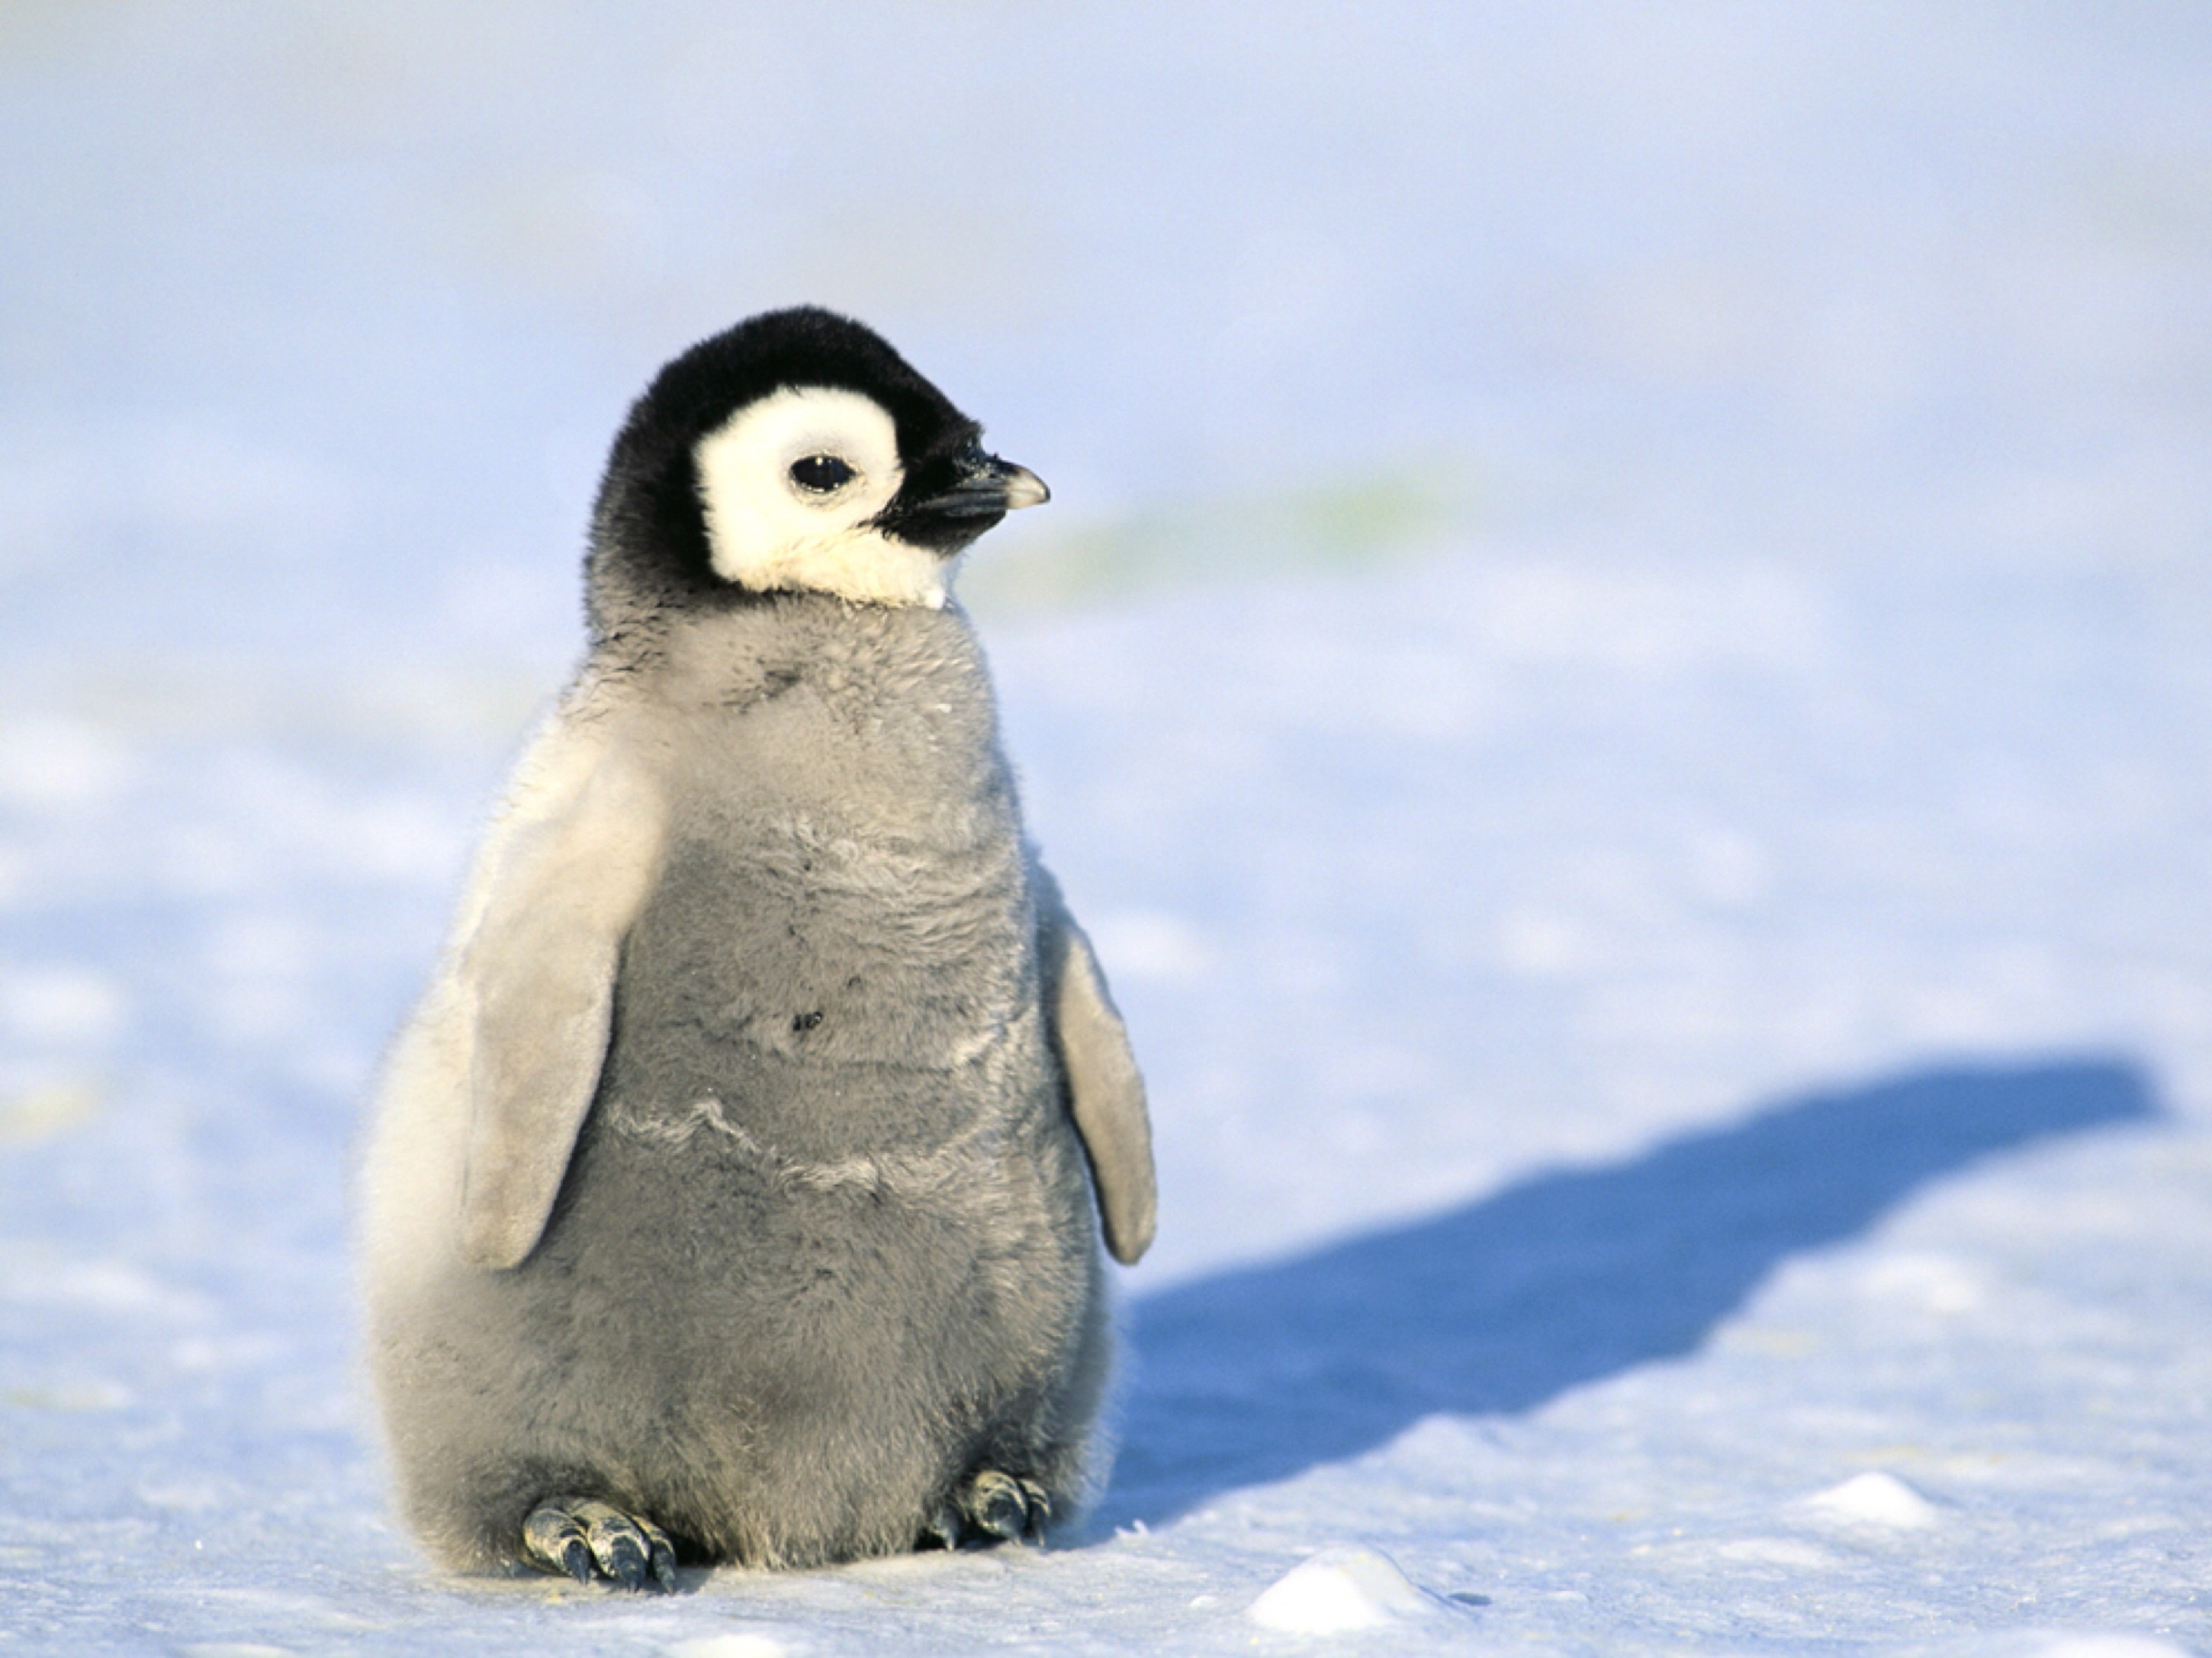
<point>770,528</point>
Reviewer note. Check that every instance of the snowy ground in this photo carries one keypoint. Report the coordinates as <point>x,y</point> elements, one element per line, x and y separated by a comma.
<point>1623,679</point>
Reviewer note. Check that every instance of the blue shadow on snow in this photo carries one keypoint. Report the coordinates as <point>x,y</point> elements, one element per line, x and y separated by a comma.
<point>1257,1374</point>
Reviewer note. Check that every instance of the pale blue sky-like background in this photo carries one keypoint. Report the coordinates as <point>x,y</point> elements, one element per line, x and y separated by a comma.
<point>315,320</point>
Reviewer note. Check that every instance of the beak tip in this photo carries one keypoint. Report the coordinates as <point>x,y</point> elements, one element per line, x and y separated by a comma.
<point>1024,488</point>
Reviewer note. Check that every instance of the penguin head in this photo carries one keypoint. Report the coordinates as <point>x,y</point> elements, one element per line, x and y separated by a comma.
<point>796,452</point>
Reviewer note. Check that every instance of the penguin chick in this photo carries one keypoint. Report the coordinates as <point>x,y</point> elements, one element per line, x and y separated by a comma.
<point>730,1192</point>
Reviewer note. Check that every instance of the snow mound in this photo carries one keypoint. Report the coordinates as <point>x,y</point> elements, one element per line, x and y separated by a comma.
<point>2106,1646</point>
<point>1343,1588</point>
<point>1875,1499</point>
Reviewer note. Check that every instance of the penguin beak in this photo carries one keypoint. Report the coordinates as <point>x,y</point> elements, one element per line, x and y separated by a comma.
<point>955,497</point>
<point>1024,487</point>
<point>986,487</point>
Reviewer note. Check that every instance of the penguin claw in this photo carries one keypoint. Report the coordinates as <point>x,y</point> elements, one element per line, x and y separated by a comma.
<point>553,1541</point>
<point>1006,1509</point>
<point>579,1536</point>
<point>943,1530</point>
<point>991,1507</point>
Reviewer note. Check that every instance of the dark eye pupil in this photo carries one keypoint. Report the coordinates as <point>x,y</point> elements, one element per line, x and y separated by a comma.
<point>821,473</point>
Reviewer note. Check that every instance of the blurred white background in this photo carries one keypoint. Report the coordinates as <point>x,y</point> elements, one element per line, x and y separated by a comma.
<point>315,320</point>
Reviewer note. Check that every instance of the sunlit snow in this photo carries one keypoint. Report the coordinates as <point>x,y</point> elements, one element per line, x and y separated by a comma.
<point>1620,666</point>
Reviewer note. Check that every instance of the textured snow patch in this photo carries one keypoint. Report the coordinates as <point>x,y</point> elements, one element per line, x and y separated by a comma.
<point>751,1643</point>
<point>1875,1499</point>
<point>1341,1588</point>
<point>1936,1284</point>
<point>927,1565</point>
<point>1777,1551</point>
<point>2105,1646</point>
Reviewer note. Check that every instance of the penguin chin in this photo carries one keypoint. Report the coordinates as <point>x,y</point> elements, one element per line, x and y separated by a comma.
<point>862,567</point>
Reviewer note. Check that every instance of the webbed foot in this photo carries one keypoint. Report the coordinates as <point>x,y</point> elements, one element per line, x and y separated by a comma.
<point>989,1508</point>
<point>583,1538</point>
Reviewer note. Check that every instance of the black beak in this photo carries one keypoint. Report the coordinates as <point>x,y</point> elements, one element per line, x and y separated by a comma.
<point>985,487</point>
<point>950,501</point>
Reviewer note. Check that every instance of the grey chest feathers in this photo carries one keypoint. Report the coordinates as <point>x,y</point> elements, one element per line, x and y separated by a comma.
<point>734,1193</point>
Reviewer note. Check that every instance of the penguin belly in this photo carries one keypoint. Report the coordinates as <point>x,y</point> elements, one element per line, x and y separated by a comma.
<point>825,1247</point>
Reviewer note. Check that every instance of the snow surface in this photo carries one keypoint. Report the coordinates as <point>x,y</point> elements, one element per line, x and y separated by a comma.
<point>1619,668</point>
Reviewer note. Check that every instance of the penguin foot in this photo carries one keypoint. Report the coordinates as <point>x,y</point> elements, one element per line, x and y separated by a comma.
<point>991,1507</point>
<point>581,1538</point>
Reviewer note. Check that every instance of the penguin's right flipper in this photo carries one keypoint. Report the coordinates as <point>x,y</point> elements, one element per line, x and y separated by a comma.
<point>1106,1095</point>
<point>580,1538</point>
<point>561,881</point>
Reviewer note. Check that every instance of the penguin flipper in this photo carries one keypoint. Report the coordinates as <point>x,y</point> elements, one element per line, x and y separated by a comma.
<point>1106,1093</point>
<point>564,879</point>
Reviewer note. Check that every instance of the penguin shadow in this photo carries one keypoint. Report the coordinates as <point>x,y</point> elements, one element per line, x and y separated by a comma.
<point>1255,1375</point>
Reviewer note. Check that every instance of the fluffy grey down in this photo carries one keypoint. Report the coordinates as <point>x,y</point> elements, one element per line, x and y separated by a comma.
<point>825,1250</point>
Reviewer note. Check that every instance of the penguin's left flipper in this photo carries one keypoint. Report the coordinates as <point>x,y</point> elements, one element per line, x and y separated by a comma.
<point>989,1508</point>
<point>1106,1095</point>
<point>581,1538</point>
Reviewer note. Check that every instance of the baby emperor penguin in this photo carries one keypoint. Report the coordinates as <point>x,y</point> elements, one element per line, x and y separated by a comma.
<point>730,1192</point>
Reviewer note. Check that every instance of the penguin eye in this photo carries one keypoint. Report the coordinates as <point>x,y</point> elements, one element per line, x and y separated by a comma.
<point>821,475</point>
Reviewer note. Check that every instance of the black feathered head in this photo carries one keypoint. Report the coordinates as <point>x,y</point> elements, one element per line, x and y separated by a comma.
<point>796,451</point>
